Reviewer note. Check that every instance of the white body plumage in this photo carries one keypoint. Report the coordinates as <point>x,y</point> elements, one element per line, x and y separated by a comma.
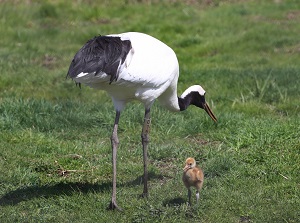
<point>150,71</point>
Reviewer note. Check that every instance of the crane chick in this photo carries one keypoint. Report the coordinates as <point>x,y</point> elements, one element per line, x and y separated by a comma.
<point>192,177</point>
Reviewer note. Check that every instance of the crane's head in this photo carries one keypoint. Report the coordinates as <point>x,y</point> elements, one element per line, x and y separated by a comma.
<point>190,163</point>
<point>195,95</point>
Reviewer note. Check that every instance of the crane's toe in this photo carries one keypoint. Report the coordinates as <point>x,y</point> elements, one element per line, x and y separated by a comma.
<point>113,206</point>
<point>144,195</point>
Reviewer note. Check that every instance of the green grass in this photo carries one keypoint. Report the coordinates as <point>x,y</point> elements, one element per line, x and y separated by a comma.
<point>244,53</point>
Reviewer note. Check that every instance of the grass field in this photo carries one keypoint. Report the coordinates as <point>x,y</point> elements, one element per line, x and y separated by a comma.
<point>246,54</point>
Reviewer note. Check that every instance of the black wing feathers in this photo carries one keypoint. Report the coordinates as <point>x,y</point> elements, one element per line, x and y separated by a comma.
<point>100,54</point>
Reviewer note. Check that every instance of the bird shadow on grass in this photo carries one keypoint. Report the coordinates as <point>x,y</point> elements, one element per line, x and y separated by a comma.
<point>47,191</point>
<point>177,201</point>
<point>62,188</point>
<point>151,176</point>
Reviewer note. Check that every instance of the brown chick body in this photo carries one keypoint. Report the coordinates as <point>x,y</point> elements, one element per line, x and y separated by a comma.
<point>192,177</point>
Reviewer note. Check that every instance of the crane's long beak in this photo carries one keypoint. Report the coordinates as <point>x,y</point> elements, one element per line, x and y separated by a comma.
<point>209,112</point>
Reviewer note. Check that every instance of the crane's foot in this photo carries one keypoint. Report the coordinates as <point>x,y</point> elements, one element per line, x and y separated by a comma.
<point>144,195</point>
<point>113,206</point>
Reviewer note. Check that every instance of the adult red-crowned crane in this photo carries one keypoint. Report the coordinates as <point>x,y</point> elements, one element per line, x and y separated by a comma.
<point>134,66</point>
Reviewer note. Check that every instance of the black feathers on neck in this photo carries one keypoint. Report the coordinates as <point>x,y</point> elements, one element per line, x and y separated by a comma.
<point>192,98</point>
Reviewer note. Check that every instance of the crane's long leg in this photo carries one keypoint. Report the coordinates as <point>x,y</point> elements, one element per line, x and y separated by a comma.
<point>114,144</point>
<point>145,141</point>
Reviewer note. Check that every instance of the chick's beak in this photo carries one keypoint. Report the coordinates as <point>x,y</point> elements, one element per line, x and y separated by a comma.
<point>186,168</point>
<point>209,112</point>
